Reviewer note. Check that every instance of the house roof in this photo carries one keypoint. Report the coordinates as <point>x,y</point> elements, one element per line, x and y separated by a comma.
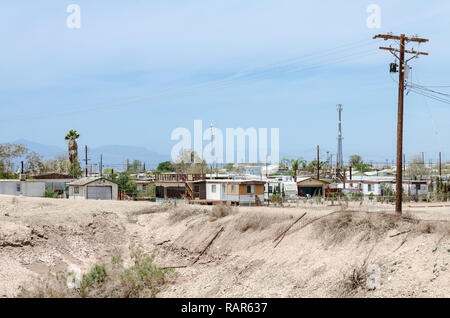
<point>300,180</point>
<point>18,180</point>
<point>87,180</point>
<point>52,175</point>
<point>240,181</point>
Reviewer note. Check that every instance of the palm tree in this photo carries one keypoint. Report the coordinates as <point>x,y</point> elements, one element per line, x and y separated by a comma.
<point>295,168</point>
<point>73,146</point>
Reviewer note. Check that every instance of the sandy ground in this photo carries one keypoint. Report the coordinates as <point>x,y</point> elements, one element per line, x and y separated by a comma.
<point>38,236</point>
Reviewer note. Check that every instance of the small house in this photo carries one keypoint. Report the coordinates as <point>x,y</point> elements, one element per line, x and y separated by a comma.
<point>57,182</point>
<point>311,187</point>
<point>236,192</point>
<point>28,188</point>
<point>93,188</point>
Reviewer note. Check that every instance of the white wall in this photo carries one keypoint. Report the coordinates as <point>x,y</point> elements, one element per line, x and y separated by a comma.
<point>27,188</point>
<point>210,195</point>
<point>99,183</point>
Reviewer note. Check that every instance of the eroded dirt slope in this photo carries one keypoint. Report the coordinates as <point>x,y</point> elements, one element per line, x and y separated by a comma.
<point>313,259</point>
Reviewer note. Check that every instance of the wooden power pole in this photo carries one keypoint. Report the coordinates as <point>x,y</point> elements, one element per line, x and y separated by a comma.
<point>440,164</point>
<point>86,160</point>
<point>318,163</point>
<point>401,90</point>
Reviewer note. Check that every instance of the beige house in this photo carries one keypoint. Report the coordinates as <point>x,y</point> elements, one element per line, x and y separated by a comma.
<point>93,188</point>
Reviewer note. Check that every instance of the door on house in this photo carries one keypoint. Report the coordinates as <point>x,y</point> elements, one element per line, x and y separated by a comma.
<point>99,193</point>
<point>224,191</point>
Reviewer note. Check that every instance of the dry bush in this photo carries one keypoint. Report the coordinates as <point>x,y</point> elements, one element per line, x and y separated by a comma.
<point>340,226</point>
<point>429,227</point>
<point>154,208</point>
<point>112,280</point>
<point>353,281</point>
<point>260,220</point>
<point>220,211</point>
<point>183,212</point>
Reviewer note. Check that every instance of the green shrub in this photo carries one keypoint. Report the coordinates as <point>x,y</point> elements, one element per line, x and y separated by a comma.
<point>112,280</point>
<point>49,193</point>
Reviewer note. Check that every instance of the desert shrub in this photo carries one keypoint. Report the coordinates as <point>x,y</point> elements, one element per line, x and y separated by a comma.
<point>276,198</point>
<point>49,193</point>
<point>220,211</point>
<point>141,279</point>
<point>338,227</point>
<point>353,281</point>
<point>183,212</point>
<point>260,220</point>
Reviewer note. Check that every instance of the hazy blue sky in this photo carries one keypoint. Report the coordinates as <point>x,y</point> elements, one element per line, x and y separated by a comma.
<point>136,70</point>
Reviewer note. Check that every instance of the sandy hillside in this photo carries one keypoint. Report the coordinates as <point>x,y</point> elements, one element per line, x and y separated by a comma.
<point>315,258</point>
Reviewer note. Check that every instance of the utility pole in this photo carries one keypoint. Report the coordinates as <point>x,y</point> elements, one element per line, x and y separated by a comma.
<point>318,164</point>
<point>339,158</point>
<point>101,165</point>
<point>86,160</point>
<point>266,166</point>
<point>404,164</point>
<point>440,164</point>
<point>401,90</point>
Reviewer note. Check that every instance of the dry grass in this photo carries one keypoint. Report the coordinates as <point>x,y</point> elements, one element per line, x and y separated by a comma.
<point>221,210</point>
<point>112,280</point>
<point>353,281</point>
<point>429,227</point>
<point>181,213</point>
<point>345,225</point>
<point>260,220</point>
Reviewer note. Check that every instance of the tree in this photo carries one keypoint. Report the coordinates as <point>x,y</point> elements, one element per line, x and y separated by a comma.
<point>355,160</point>
<point>34,163</point>
<point>186,160</point>
<point>59,164</point>
<point>229,166</point>
<point>8,152</point>
<point>72,136</point>
<point>417,169</point>
<point>125,182</point>
<point>135,166</point>
<point>165,166</point>
<point>294,169</point>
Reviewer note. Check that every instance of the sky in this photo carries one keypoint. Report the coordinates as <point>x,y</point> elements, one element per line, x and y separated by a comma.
<point>136,70</point>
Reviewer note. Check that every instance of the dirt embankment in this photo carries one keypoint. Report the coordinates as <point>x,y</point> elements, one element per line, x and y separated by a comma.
<point>233,253</point>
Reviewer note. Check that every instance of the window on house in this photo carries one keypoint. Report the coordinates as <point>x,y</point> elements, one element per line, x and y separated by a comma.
<point>213,188</point>
<point>18,187</point>
<point>76,190</point>
<point>249,189</point>
<point>270,189</point>
<point>370,187</point>
<point>197,188</point>
<point>233,189</point>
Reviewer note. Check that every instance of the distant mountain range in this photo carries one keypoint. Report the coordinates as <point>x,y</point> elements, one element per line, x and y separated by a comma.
<point>114,156</point>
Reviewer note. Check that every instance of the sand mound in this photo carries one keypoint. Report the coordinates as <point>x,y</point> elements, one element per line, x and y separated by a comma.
<point>241,252</point>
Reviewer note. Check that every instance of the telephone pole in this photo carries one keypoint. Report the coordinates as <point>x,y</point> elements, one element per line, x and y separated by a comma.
<point>101,165</point>
<point>339,157</point>
<point>318,163</point>
<point>440,164</point>
<point>86,160</point>
<point>401,90</point>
